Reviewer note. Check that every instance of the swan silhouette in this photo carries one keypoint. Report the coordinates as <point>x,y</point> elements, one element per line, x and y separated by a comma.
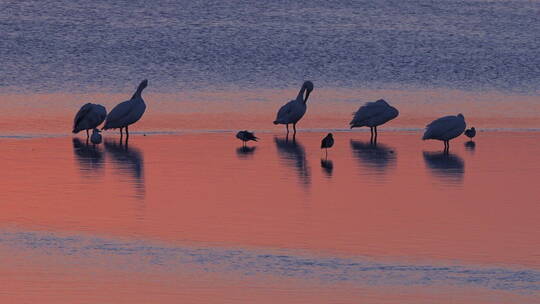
<point>90,116</point>
<point>373,114</point>
<point>445,129</point>
<point>294,110</point>
<point>128,112</point>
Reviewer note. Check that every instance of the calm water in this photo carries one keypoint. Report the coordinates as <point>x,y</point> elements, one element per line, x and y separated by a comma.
<point>195,217</point>
<point>57,46</point>
<point>184,214</point>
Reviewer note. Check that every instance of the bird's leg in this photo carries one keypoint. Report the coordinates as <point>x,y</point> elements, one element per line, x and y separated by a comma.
<point>87,134</point>
<point>294,128</point>
<point>127,133</point>
<point>371,138</point>
<point>287,125</point>
<point>121,134</point>
<point>376,133</point>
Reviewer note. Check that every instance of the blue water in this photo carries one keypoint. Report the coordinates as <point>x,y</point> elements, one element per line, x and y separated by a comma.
<point>79,45</point>
<point>280,264</point>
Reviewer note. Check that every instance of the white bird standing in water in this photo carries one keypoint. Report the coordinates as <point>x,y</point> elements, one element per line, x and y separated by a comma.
<point>373,114</point>
<point>96,137</point>
<point>89,117</point>
<point>127,112</point>
<point>295,109</point>
<point>445,129</point>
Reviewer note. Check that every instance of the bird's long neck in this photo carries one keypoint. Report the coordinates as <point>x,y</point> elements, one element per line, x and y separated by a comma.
<point>138,92</point>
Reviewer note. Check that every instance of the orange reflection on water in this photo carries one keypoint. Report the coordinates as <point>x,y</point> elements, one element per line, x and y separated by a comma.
<point>398,199</point>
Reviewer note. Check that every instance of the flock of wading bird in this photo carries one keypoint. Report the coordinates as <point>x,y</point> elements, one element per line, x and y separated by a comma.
<point>371,114</point>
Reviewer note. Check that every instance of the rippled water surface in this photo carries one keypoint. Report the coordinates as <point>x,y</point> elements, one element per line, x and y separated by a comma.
<point>184,214</point>
<point>80,45</point>
<point>196,217</point>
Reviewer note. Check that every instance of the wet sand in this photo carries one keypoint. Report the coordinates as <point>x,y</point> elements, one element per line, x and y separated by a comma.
<point>400,203</point>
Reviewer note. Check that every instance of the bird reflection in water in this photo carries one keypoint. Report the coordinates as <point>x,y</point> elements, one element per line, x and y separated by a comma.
<point>446,166</point>
<point>129,163</point>
<point>293,155</point>
<point>89,157</point>
<point>245,152</point>
<point>327,166</point>
<point>375,157</point>
<point>470,145</point>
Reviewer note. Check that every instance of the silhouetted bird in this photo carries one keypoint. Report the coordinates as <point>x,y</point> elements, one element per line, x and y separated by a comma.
<point>373,114</point>
<point>96,137</point>
<point>470,133</point>
<point>246,136</point>
<point>127,112</point>
<point>295,109</point>
<point>327,142</point>
<point>89,117</point>
<point>445,129</point>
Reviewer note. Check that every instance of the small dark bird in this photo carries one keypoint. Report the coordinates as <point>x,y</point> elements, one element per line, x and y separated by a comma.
<point>327,142</point>
<point>246,136</point>
<point>470,133</point>
<point>96,137</point>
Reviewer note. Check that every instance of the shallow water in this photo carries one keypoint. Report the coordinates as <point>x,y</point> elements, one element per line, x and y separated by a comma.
<point>196,217</point>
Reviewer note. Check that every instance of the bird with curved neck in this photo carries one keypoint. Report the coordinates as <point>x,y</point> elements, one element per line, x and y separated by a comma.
<point>89,117</point>
<point>128,112</point>
<point>294,110</point>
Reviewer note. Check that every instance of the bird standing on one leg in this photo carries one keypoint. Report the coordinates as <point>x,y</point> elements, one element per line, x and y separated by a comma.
<point>294,110</point>
<point>327,142</point>
<point>246,136</point>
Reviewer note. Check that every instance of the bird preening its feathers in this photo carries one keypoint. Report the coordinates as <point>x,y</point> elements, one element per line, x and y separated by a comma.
<point>90,116</point>
<point>445,129</point>
<point>294,110</point>
<point>373,114</point>
<point>246,136</point>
